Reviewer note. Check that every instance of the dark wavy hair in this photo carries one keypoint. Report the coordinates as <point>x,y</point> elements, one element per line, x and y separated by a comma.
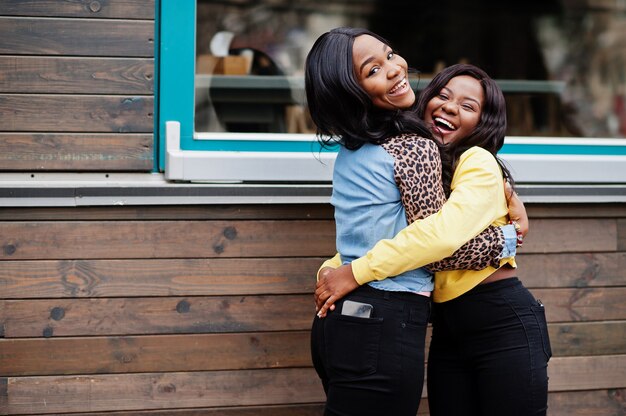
<point>339,107</point>
<point>491,129</point>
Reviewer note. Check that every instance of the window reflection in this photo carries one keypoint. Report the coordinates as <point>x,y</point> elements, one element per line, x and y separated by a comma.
<point>561,63</point>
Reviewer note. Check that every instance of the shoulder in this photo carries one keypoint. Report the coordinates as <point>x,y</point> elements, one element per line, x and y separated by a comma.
<point>410,140</point>
<point>478,167</point>
<point>365,151</point>
<point>406,144</point>
<point>476,152</point>
<point>369,157</point>
<point>478,158</point>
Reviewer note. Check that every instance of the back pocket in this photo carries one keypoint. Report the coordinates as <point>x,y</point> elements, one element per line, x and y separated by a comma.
<point>352,344</point>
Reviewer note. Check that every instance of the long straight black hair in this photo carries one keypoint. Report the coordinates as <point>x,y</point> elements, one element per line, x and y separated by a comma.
<point>339,107</point>
<point>491,129</point>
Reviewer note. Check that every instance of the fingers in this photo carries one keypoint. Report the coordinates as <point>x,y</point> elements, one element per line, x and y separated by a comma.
<point>319,301</point>
<point>326,291</point>
<point>323,315</point>
<point>320,287</point>
<point>329,304</point>
<point>321,296</point>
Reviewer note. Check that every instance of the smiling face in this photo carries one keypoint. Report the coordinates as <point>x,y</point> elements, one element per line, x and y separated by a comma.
<point>382,73</point>
<point>455,111</point>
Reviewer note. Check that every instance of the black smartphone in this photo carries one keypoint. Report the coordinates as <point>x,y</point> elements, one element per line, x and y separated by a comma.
<point>358,309</point>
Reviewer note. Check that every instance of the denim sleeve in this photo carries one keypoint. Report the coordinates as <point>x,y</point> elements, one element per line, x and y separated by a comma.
<point>510,241</point>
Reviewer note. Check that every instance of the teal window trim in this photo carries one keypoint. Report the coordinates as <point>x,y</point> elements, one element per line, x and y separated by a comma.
<point>157,46</point>
<point>177,54</point>
<point>563,146</point>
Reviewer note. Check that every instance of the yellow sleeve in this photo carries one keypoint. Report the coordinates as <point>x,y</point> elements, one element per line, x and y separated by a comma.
<point>474,203</point>
<point>334,263</point>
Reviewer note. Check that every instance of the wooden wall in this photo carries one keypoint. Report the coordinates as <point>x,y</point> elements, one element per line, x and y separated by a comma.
<point>206,310</point>
<point>77,85</point>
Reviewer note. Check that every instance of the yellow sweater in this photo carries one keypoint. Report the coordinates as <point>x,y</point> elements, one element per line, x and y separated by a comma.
<point>477,200</point>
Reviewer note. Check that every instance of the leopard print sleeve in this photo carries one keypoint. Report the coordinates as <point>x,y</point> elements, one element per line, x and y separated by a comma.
<point>417,171</point>
<point>480,252</point>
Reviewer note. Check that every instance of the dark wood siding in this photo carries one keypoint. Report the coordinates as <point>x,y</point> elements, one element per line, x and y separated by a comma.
<point>101,9</point>
<point>206,310</point>
<point>167,325</point>
<point>77,85</point>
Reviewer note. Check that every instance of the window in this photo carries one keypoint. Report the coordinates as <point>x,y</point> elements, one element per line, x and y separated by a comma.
<point>231,79</point>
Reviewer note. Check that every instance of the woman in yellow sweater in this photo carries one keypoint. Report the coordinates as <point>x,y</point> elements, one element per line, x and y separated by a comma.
<point>490,346</point>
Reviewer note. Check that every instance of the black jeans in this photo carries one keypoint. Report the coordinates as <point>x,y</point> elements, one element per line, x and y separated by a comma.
<point>489,353</point>
<point>373,366</point>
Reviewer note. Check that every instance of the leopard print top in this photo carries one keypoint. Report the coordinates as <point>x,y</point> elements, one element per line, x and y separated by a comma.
<point>417,171</point>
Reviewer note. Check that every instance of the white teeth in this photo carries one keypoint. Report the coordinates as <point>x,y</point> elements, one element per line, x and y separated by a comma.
<point>399,85</point>
<point>445,123</point>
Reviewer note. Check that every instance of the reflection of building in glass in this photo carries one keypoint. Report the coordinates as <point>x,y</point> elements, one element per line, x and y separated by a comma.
<point>566,58</point>
<point>588,50</point>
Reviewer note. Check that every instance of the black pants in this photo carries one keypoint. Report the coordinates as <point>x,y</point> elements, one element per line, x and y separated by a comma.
<point>489,353</point>
<point>373,366</point>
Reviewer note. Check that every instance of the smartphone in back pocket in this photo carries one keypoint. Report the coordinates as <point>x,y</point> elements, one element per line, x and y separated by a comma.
<point>358,309</point>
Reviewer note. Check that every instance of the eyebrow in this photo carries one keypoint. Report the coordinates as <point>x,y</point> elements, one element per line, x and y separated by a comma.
<point>466,97</point>
<point>474,100</point>
<point>371,58</point>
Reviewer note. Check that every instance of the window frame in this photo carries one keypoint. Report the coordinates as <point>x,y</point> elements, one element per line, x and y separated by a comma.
<point>185,155</point>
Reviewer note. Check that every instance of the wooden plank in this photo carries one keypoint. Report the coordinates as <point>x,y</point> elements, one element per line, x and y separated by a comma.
<point>76,37</point>
<point>572,269</point>
<point>52,394</point>
<point>76,113</point>
<point>585,304</point>
<point>84,152</point>
<point>315,409</point>
<point>571,235</point>
<point>2,316</point>
<point>191,239</point>
<point>577,210</point>
<point>3,395</point>
<point>60,394</point>
<point>173,315</point>
<point>31,240</point>
<point>165,239</point>
<point>93,355</point>
<point>587,373</point>
<point>177,212</point>
<point>252,211</point>
<point>588,403</point>
<point>621,234</point>
<point>144,354</point>
<point>157,277</point>
<point>581,338</point>
<point>47,74</point>
<point>123,9</point>
<point>192,277</point>
<point>588,338</point>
